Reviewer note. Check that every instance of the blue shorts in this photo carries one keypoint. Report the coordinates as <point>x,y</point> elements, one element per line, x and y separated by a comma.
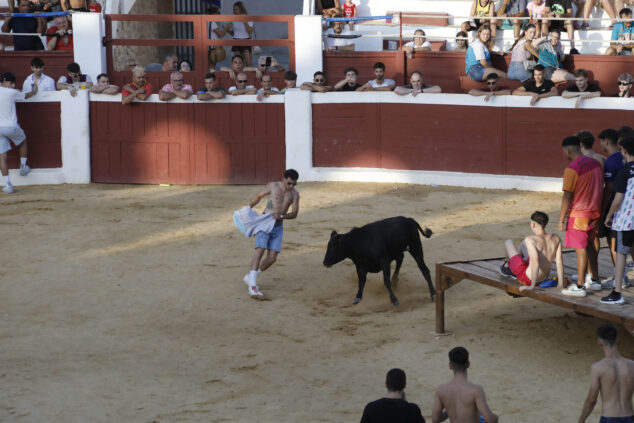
<point>272,240</point>
<point>517,71</point>
<point>476,72</point>
<point>617,419</point>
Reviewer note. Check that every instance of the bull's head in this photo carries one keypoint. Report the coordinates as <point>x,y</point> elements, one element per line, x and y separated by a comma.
<point>335,251</point>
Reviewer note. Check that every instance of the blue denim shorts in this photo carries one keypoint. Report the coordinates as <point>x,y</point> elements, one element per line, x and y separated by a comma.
<point>271,240</point>
<point>517,71</point>
<point>617,419</point>
<point>476,72</point>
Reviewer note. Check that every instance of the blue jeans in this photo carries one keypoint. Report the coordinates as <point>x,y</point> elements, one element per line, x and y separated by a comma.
<point>617,419</point>
<point>517,71</point>
<point>476,72</point>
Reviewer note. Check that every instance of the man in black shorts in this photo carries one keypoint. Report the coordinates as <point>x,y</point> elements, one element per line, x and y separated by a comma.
<point>393,407</point>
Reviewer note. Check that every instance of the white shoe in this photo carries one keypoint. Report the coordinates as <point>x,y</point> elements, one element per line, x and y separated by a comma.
<point>24,170</point>
<point>592,285</point>
<point>8,189</point>
<point>574,277</point>
<point>574,291</point>
<point>255,292</point>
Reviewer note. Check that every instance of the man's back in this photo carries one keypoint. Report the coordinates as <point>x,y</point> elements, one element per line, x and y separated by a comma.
<point>391,410</point>
<point>546,246</point>
<point>459,400</point>
<point>616,379</point>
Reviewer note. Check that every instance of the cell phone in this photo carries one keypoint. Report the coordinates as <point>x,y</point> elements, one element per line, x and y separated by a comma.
<point>268,61</point>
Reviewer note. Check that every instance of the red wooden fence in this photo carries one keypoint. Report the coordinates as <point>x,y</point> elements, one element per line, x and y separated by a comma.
<point>19,63</point>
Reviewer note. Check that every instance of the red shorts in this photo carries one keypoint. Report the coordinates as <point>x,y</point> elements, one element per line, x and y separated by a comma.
<point>580,231</point>
<point>518,266</point>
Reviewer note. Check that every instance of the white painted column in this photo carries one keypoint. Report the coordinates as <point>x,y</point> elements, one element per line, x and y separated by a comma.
<point>298,117</point>
<point>75,124</point>
<point>88,40</point>
<point>308,53</point>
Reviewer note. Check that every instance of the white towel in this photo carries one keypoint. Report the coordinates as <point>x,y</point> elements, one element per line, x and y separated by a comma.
<point>249,222</point>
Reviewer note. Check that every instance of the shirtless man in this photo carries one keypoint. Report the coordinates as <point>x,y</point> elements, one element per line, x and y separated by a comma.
<point>282,195</point>
<point>541,248</point>
<point>614,378</point>
<point>460,400</point>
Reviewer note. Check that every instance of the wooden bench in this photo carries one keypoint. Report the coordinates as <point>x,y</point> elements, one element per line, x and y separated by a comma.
<point>416,18</point>
<point>486,271</point>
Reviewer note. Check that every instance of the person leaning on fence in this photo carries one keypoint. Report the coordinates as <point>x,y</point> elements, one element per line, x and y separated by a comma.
<point>75,80</point>
<point>318,85</point>
<point>43,82</point>
<point>25,26</point>
<point>103,86</point>
<point>237,66</point>
<point>170,64</point>
<point>524,55</point>
<point>624,82</point>
<point>290,81</point>
<point>60,35</point>
<point>242,86</point>
<point>581,88</point>
<point>209,91</point>
<point>332,43</point>
<point>139,88</point>
<point>393,407</point>
<point>494,89</point>
<point>269,64</point>
<point>379,83</point>
<point>623,33</point>
<point>176,88</point>
<point>538,87</point>
<point>418,44</point>
<point>416,86</point>
<point>267,88</point>
<point>550,56</point>
<point>349,82</point>
<point>478,57</point>
<point>462,45</point>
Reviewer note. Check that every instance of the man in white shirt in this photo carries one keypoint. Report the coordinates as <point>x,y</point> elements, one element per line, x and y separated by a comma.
<point>9,128</point>
<point>380,83</point>
<point>242,86</point>
<point>419,43</point>
<point>43,82</point>
<point>338,44</point>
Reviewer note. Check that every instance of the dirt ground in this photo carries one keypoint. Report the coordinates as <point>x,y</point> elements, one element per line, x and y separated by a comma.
<point>125,303</point>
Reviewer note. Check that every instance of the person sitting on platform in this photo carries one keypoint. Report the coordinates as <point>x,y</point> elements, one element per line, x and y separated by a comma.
<point>515,9</point>
<point>379,83</point>
<point>624,82</point>
<point>349,83</point>
<point>532,262</point>
<point>393,407</point>
<point>318,85</point>
<point>494,89</point>
<point>269,64</point>
<point>76,5</point>
<point>103,86</point>
<point>176,88</point>
<point>290,80</point>
<point>461,45</point>
<point>581,89</point>
<point>416,86</point>
<point>75,80</point>
<point>267,88</point>
<point>606,5</point>
<point>623,34</point>
<point>561,9</point>
<point>43,82</point>
<point>25,26</point>
<point>478,58</point>
<point>60,36</point>
<point>237,66</point>
<point>209,91</point>
<point>242,87</point>
<point>523,55</point>
<point>551,54</point>
<point>333,43</point>
<point>482,9</point>
<point>139,88</point>
<point>538,87</point>
<point>418,44</point>
<point>170,64</point>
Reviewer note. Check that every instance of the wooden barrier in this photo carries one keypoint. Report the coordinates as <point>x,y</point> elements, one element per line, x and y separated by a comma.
<point>19,63</point>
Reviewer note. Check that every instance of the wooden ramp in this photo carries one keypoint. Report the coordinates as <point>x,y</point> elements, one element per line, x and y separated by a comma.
<point>487,272</point>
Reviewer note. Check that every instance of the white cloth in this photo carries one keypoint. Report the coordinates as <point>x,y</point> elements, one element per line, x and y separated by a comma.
<point>240,32</point>
<point>337,42</point>
<point>386,83</point>
<point>8,97</point>
<point>46,83</point>
<point>249,87</point>
<point>272,89</point>
<point>249,222</point>
<point>413,44</point>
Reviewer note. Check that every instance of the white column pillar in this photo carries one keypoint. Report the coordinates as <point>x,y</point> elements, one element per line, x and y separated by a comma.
<point>88,40</point>
<point>298,116</point>
<point>75,124</point>
<point>308,54</point>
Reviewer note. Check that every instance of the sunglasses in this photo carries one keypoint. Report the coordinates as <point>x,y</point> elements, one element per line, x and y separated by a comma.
<point>177,80</point>
<point>242,81</point>
<point>624,83</point>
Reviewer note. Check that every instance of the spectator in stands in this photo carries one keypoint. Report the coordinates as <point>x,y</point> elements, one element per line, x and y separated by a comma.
<point>328,8</point>
<point>10,131</point>
<point>290,79</point>
<point>623,34</point>
<point>209,91</point>
<point>494,89</point>
<point>416,86</point>
<point>185,66</point>
<point>349,83</point>
<point>550,56</point>
<point>625,85</point>
<point>237,66</point>
<point>131,64</point>
<point>75,80</point>
<point>350,11</point>
<point>170,64</point>
<point>538,87</point>
<point>537,9</point>
<point>25,26</point>
<point>478,57</point>
<point>561,9</point>
<point>589,4</point>
<point>242,86</point>
<point>333,43</point>
<point>269,64</point>
<point>241,31</point>
<point>103,86</point>
<point>482,9</point>
<point>318,85</point>
<point>379,83</point>
<point>581,88</point>
<point>43,82</point>
<point>267,88</point>
<point>76,5</point>
<point>462,45</point>
<point>176,88</point>
<point>523,55</point>
<point>620,4</point>
<point>515,9</point>
<point>393,407</point>
<point>418,44</point>
<point>60,35</point>
<point>138,88</point>
<point>215,32</point>
<point>459,399</point>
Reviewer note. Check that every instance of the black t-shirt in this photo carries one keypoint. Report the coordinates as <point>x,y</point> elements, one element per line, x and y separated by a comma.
<point>25,42</point>
<point>617,95</point>
<point>388,410</point>
<point>349,87</point>
<point>557,6</point>
<point>531,87</point>
<point>624,175</point>
<point>591,88</point>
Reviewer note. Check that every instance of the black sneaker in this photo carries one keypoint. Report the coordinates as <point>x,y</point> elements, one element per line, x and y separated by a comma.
<point>574,51</point>
<point>613,298</point>
<point>585,26</point>
<point>505,270</point>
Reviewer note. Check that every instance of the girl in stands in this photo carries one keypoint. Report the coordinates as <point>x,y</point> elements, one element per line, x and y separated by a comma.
<point>241,31</point>
<point>524,55</point>
<point>478,58</point>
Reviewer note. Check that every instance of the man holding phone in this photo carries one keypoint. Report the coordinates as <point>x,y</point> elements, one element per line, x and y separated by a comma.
<point>269,64</point>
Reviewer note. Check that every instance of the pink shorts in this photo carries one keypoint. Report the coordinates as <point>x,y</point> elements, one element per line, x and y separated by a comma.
<point>518,266</point>
<point>580,231</point>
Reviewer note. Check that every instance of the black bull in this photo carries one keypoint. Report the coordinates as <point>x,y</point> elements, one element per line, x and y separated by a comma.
<point>373,247</point>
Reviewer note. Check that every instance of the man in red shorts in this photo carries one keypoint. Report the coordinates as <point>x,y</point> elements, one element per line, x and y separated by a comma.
<point>541,249</point>
<point>580,212</point>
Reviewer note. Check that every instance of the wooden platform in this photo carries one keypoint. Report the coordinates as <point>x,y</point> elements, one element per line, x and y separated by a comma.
<point>486,271</point>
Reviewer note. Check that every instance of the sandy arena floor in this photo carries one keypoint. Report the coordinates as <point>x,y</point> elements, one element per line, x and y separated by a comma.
<point>126,304</point>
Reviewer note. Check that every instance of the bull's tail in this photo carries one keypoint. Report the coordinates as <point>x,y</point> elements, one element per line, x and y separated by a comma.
<point>426,232</point>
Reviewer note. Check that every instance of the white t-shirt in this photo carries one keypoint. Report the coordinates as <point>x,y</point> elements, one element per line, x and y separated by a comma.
<point>8,97</point>
<point>272,89</point>
<point>479,50</point>
<point>240,32</point>
<point>248,87</point>
<point>386,83</point>
<point>337,42</point>
<point>75,84</point>
<point>413,44</point>
<point>46,83</point>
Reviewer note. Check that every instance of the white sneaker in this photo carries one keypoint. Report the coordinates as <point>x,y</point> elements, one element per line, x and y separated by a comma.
<point>8,189</point>
<point>24,170</point>
<point>255,292</point>
<point>592,285</point>
<point>574,291</point>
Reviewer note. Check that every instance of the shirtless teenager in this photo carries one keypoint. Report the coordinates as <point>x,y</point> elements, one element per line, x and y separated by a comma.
<point>460,400</point>
<point>541,250</point>
<point>614,378</point>
<point>282,195</point>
